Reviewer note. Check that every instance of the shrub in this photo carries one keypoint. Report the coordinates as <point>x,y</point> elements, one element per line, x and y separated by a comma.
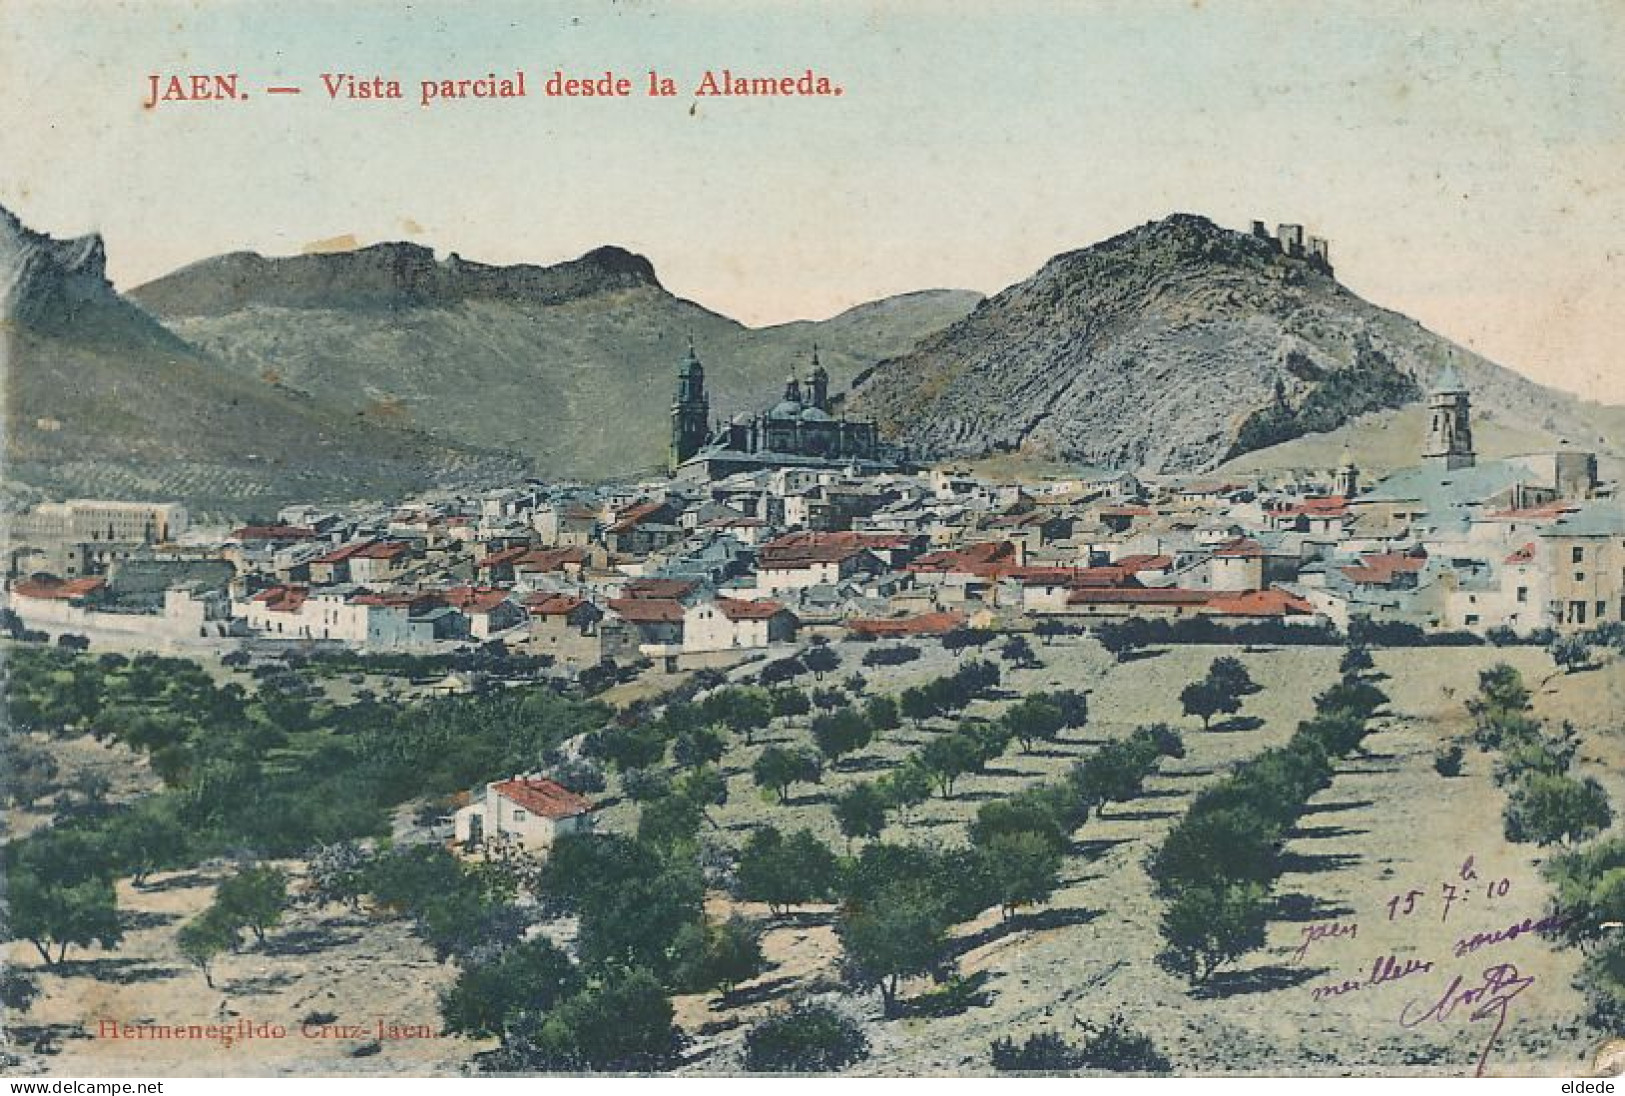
<point>1447,762</point>
<point>1570,652</point>
<point>1045,1052</point>
<point>18,989</point>
<point>1120,1049</point>
<point>810,1038</point>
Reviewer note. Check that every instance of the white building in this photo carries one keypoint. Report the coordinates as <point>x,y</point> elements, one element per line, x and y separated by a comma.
<point>734,624</point>
<point>532,810</point>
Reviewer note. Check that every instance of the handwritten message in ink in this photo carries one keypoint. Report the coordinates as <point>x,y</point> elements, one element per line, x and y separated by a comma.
<point>1438,991</point>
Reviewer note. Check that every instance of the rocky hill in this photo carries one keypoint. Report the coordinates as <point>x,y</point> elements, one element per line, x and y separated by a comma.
<point>1174,347</point>
<point>572,365</point>
<point>102,400</point>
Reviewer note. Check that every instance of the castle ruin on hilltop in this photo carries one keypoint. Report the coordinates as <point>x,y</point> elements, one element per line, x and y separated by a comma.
<point>1289,240</point>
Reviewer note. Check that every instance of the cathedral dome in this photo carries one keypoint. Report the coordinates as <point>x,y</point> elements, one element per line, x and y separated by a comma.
<point>787,410</point>
<point>813,414</point>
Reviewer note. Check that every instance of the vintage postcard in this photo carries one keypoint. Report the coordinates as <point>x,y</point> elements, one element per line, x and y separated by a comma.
<point>895,538</point>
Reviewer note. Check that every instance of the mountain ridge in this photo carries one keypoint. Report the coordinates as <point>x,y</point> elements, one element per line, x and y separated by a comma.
<point>101,399</point>
<point>572,364</point>
<point>1171,347</point>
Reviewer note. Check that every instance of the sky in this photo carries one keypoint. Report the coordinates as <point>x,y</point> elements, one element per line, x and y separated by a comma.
<point>1466,160</point>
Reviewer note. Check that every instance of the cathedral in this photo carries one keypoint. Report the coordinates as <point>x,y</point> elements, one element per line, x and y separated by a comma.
<point>799,431</point>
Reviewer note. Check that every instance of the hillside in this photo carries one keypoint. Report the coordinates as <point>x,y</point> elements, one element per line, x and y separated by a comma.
<point>1174,347</point>
<point>102,400</point>
<point>571,364</point>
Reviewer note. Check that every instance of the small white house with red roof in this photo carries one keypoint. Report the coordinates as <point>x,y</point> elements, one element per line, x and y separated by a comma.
<point>531,810</point>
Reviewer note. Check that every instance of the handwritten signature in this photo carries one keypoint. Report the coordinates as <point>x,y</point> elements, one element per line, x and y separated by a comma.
<point>1488,1000</point>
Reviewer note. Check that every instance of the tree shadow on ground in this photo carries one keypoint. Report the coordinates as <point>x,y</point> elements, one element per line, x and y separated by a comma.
<point>1051,754</point>
<point>1141,656</point>
<point>1138,816</point>
<point>1097,846</point>
<point>809,800</point>
<point>183,881</point>
<point>308,941</point>
<point>801,919</point>
<point>1052,918</point>
<point>136,920</point>
<point>865,765</point>
<point>1296,863</point>
<point>1321,833</point>
<point>1336,805</point>
<point>122,972</point>
<point>1266,979</point>
<point>765,990</point>
<point>977,797</point>
<point>951,999</point>
<point>1307,907</point>
<point>266,983</point>
<point>1000,770</point>
<point>1237,725</point>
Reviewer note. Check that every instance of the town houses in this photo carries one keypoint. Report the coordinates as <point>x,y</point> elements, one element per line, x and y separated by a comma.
<point>686,571</point>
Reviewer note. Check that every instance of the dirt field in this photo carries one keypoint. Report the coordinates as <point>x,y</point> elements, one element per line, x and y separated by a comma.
<point>1388,825</point>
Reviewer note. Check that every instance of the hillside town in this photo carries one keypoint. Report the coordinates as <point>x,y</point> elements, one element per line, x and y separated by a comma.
<point>794,523</point>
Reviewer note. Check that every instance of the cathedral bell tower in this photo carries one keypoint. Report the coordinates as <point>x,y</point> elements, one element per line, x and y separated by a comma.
<point>1450,431</point>
<point>690,410</point>
<point>819,384</point>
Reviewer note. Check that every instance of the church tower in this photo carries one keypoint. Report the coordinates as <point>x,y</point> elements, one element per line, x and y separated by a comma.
<point>1450,432</point>
<point>690,411</point>
<point>819,385</point>
<point>1346,483</point>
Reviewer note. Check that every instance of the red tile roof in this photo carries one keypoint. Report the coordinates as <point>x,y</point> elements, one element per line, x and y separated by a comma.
<point>1137,563</point>
<point>634,516</point>
<point>1268,603</point>
<point>926,624</point>
<point>737,609</point>
<point>474,599</point>
<point>1379,568</point>
<point>553,604</point>
<point>410,601</point>
<point>1526,554</point>
<point>647,610</point>
<point>1240,548</point>
<point>283,599</point>
<point>383,549</point>
<point>543,797</point>
<point>668,589</point>
<point>983,558</point>
<point>504,556</point>
<point>365,549</point>
<point>795,550</point>
<point>55,589</point>
<point>1551,511</point>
